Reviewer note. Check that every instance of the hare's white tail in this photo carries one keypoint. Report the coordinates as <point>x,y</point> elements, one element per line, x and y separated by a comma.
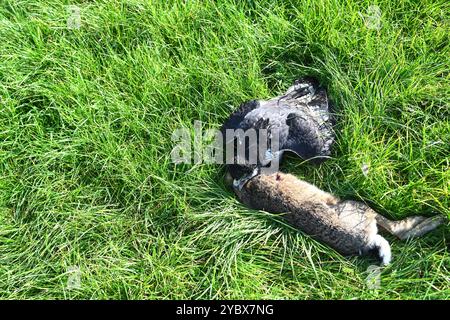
<point>382,247</point>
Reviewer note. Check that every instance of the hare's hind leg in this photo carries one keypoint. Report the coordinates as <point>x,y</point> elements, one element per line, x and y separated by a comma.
<point>410,227</point>
<point>423,227</point>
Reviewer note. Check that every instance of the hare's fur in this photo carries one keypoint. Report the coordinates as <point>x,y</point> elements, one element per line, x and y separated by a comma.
<point>348,226</point>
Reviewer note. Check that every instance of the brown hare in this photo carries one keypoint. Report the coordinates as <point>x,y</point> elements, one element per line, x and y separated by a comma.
<point>350,227</point>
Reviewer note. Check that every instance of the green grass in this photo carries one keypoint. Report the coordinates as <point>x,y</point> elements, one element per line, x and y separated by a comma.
<point>86,118</point>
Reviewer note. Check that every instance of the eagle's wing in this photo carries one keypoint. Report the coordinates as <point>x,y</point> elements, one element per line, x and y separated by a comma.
<point>310,127</point>
<point>235,119</point>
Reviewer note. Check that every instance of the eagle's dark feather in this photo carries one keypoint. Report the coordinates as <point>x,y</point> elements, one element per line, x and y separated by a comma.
<point>301,117</point>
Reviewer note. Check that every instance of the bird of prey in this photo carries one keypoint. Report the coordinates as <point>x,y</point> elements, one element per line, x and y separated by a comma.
<point>300,118</point>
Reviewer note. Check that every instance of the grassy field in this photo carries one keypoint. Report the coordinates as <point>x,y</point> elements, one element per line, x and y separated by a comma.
<point>91,205</point>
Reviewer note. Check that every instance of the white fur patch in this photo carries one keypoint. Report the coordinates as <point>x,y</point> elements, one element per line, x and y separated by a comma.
<point>384,249</point>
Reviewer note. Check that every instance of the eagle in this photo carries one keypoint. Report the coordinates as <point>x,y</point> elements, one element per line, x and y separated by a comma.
<point>300,120</point>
